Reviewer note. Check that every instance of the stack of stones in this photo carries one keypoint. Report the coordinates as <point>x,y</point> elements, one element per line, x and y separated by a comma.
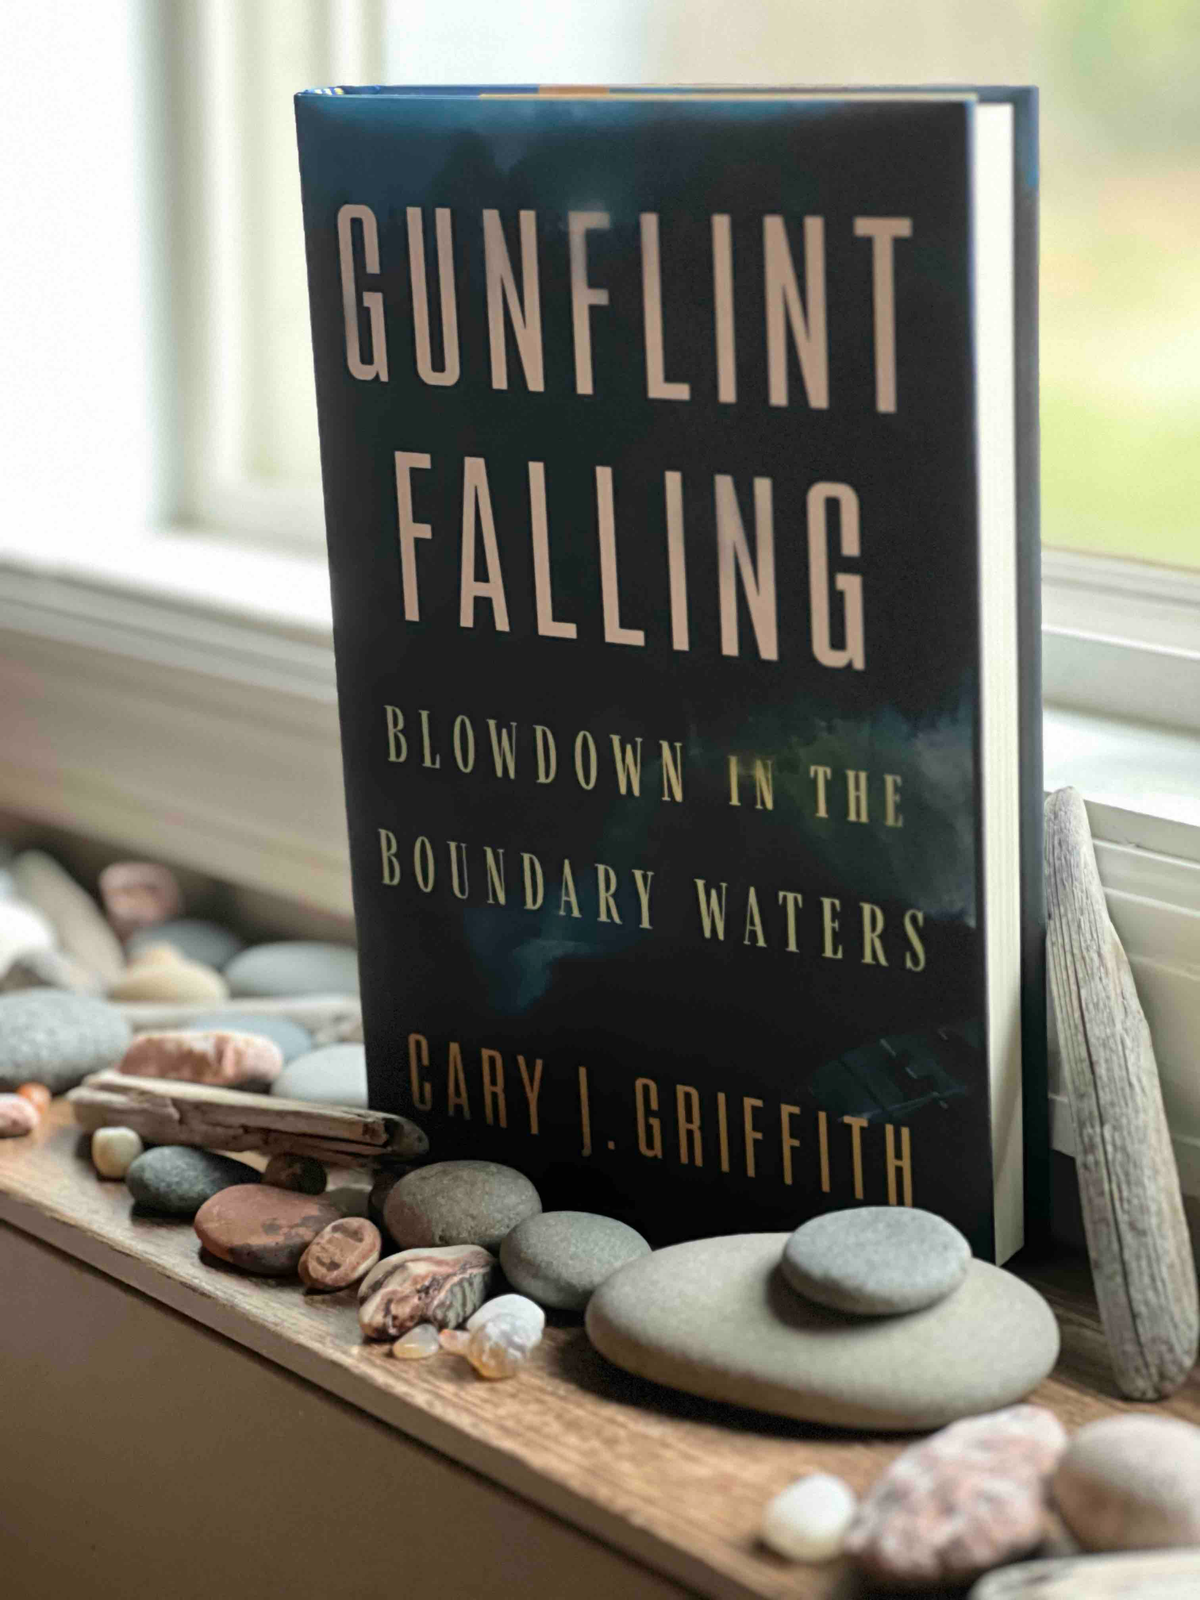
<point>459,1226</point>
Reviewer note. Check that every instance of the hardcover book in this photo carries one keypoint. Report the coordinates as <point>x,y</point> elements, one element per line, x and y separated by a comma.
<point>679,453</point>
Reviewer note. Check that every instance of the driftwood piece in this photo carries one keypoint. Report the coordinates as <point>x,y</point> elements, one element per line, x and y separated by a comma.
<point>1150,1575</point>
<point>168,1112</point>
<point>1137,1233</point>
<point>330,1018</point>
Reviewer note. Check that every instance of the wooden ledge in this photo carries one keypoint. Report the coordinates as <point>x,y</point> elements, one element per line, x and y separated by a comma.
<point>677,1483</point>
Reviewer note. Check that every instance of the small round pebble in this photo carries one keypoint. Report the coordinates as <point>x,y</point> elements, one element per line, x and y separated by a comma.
<point>206,942</point>
<point>418,1344</point>
<point>176,1179</point>
<point>508,1305</point>
<point>807,1521</point>
<point>876,1261</point>
<point>304,1174</point>
<point>17,1116</point>
<point>1131,1483</point>
<point>560,1258</point>
<point>292,1039</point>
<point>160,973</point>
<point>500,1347</point>
<point>335,1075</point>
<point>294,966</point>
<point>459,1202</point>
<point>341,1254</point>
<point>262,1230</point>
<point>114,1150</point>
<point>38,1096</point>
<point>57,1038</point>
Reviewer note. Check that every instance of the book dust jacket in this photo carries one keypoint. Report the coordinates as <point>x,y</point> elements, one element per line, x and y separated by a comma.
<point>649,440</point>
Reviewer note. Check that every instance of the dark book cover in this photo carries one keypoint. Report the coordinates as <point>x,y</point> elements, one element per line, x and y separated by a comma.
<point>650,434</point>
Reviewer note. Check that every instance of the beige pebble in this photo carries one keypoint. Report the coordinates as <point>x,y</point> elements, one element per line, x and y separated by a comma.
<point>161,973</point>
<point>454,1340</point>
<point>138,894</point>
<point>501,1345</point>
<point>229,1060</point>
<point>18,1116</point>
<point>418,1343</point>
<point>114,1150</point>
<point>808,1520</point>
<point>1131,1483</point>
<point>81,928</point>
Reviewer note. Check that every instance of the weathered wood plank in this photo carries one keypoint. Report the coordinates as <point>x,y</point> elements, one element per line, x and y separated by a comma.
<point>1128,1182</point>
<point>166,1111</point>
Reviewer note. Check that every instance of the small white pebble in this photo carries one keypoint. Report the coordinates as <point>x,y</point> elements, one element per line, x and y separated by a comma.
<point>808,1520</point>
<point>114,1150</point>
<point>500,1347</point>
<point>508,1305</point>
<point>417,1343</point>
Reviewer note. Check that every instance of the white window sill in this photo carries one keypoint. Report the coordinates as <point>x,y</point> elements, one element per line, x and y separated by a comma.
<point>175,694</point>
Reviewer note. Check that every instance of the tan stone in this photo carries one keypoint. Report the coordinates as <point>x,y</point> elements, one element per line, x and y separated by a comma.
<point>80,926</point>
<point>161,973</point>
<point>965,1500</point>
<point>37,1094</point>
<point>231,1060</point>
<point>1131,1483</point>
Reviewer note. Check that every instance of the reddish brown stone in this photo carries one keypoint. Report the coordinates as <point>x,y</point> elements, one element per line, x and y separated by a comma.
<point>969,1498</point>
<point>17,1116</point>
<point>438,1284</point>
<point>341,1254</point>
<point>37,1094</point>
<point>138,894</point>
<point>262,1229</point>
<point>229,1060</point>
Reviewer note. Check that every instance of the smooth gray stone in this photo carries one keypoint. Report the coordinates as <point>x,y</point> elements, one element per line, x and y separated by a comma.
<point>876,1261</point>
<point>206,942</point>
<point>459,1202</point>
<point>333,1076</point>
<point>716,1318</point>
<point>292,1039</point>
<point>1139,1575</point>
<point>294,966</point>
<point>176,1179</point>
<point>560,1258</point>
<point>52,1037</point>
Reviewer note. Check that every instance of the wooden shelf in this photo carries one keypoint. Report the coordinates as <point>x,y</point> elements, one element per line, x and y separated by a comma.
<point>675,1483</point>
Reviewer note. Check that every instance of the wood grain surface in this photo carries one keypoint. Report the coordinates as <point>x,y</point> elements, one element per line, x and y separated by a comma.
<point>675,1482</point>
<point>1128,1181</point>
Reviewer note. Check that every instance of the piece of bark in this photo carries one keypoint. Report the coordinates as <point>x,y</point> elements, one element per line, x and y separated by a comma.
<point>168,1112</point>
<point>1137,1233</point>
<point>1158,1575</point>
<point>330,1019</point>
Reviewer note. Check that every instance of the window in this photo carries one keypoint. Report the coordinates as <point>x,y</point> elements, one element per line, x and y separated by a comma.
<point>1120,197</point>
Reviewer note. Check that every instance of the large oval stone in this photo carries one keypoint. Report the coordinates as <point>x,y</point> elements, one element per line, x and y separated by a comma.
<point>57,1038</point>
<point>560,1258</point>
<point>261,1229</point>
<point>335,1075</point>
<point>294,966</point>
<point>459,1202</point>
<point>716,1318</point>
<point>1131,1483</point>
<point>876,1261</point>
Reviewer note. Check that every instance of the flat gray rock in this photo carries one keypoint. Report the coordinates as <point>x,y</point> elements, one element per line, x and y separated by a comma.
<point>459,1202</point>
<point>294,966</point>
<point>876,1261</point>
<point>333,1076</point>
<point>292,1039</point>
<point>175,1180</point>
<point>207,942</point>
<point>52,1037</point>
<point>716,1318</point>
<point>560,1258</point>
